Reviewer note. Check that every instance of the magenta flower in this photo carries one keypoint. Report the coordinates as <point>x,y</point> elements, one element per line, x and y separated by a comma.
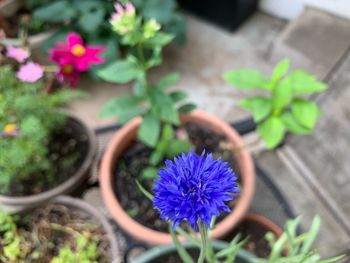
<point>18,54</point>
<point>67,74</point>
<point>30,72</point>
<point>76,53</point>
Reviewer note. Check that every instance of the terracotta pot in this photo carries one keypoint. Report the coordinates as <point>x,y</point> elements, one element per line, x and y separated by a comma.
<point>16,204</point>
<point>127,135</point>
<point>266,223</point>
<point>9,7</point>
<point>99,218</point>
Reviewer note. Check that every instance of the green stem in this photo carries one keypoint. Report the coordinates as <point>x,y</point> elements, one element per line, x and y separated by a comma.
<point>204,238</point>
<point>141,56</point>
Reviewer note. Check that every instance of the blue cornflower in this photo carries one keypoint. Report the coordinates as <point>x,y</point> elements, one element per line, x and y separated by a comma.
<point>194,187</point>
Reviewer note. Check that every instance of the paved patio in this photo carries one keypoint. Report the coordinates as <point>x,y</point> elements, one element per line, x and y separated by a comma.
<point>312,171</point>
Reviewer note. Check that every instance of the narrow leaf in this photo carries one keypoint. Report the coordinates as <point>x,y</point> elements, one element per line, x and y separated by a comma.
<point>144,191</point>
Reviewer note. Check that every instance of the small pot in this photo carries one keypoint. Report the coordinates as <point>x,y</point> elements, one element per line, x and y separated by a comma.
<point>127,135</point>
<point>266,223</point>
<point>9,7</point>
<point>92,213</point>
<point>16,204</point>
<point>160,251</point>
<point>256,239</point>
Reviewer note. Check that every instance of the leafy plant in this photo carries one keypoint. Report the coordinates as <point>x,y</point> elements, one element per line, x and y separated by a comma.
<point>89,18</point>
<point>291,247</point>
<point>28,117</point>
<point>20,243</point>
<point>285,106</point>
<point>160,109</point>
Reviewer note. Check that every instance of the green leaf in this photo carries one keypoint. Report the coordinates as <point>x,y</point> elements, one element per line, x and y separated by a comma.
<point>160,10</point>
<point>311,235</point>
<point>176,147</point>
<point>185,257</point>
<point>293,125</point>
<point>187,108</point>
<point>280,70</point>
<point>57,11</point>
<point>304,83</point>
<point>305,112</point>
<point>163,106</point>
<point>118,106</point>
<point>149,130</point>
<point>272,131</point>
<point>159,40</point>
<point>168,80</point>
<point>119,72</point>
<point>246,79</point>
<point>90,21</point>
<point>150,173</point>
<point>282,94</point>
<point>260,107</point>
<point>178,96</point>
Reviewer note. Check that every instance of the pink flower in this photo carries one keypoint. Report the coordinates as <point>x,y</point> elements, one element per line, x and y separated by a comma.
<point>19,54</point>
<point>30,72</point>
<point>76,53</point>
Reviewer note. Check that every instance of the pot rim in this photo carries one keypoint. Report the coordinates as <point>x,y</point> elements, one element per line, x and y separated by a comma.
<point>264,221</point>
<point>154,237</point>
<point>66,185</point>
<point>157,251</point>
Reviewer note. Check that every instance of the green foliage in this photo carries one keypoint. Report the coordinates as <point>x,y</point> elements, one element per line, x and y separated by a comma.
<point>284,108</point>
<point>14,246</point>
<point>90,19</point>
<point>85,252</point>
<point>150,101</point>
<point>34,114</point>
<point>291,247</point>
<point>168,146</point>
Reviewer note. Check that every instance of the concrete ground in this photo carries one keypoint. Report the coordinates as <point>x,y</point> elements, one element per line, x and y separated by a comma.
<point>311,171</point>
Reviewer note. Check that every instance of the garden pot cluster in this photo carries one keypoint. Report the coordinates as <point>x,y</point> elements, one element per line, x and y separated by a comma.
<point>169,167</point>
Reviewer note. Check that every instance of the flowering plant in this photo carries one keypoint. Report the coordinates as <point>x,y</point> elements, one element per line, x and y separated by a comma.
<point>192,191</point>
<point>90,20</point>
<point>74,57</point>
<point>285,108</point>
<point>27,120</point>
<point>159,109</point>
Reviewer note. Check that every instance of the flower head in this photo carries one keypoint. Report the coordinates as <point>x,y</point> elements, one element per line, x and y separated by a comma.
<point>150,28</point>
<point>67,74</point>
<point>194,188</point>
<point>18,54</point>
<point>10,130</point>
<point>124,19</point>
<point>76,53</point>
<point>30,72</point>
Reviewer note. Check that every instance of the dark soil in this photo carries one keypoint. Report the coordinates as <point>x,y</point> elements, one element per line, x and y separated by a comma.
<point>135,159</point>
<point>44,231</point>
<point>67,151</point>
<point>255,233</point>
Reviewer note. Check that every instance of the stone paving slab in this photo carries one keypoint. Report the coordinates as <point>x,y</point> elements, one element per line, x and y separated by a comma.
<point>315,41</point>
<point>330,144</point>
<point>332,237</point>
